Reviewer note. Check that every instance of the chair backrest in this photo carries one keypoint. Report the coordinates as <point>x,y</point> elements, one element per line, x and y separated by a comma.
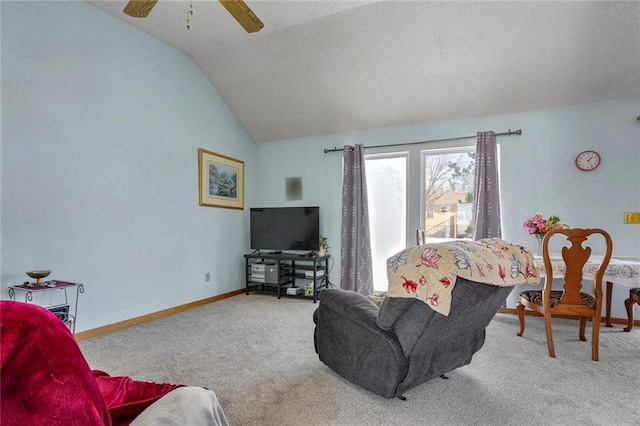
<point>473,305</point>
<point>420,237</point>
<point>575,256</point>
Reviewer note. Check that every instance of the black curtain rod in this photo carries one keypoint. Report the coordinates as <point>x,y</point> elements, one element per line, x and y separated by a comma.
<point>507,133</point>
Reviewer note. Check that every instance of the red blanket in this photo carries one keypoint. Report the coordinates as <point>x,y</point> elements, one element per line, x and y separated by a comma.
<point>45,379</point>
<point>126,398</point>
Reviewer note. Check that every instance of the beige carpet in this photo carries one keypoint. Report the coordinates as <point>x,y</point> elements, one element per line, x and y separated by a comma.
<point>256,353</point>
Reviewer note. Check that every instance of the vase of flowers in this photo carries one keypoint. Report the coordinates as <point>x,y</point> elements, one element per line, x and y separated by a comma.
<point>538,226</point>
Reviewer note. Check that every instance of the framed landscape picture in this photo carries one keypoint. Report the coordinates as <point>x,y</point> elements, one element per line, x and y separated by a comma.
<point>221,180</point>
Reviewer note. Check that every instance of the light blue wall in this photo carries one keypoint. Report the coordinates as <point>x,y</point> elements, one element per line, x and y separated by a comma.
<point>537,171</point>
<point>101,125</point>
<point>100,129</point>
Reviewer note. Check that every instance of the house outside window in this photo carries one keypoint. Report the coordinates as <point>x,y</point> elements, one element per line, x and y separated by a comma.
<point>448,190</point>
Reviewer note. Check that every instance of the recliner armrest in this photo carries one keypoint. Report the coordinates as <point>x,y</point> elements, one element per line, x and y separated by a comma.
<point>351,305</point>
<point>350,342</point>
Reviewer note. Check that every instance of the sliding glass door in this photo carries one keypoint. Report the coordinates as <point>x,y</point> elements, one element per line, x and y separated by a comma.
<point>387,193</point>
<point>426,186</point>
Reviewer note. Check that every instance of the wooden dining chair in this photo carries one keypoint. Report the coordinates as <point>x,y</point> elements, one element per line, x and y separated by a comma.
<point>420,236</point>
<point>634,297</point>
<point>571,300</point>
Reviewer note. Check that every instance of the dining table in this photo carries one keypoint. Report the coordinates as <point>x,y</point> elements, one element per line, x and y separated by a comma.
<point>622,270</point>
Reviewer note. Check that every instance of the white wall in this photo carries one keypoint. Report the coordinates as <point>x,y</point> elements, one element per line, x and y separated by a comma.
<point>101,124</point>
<point>537,171</point>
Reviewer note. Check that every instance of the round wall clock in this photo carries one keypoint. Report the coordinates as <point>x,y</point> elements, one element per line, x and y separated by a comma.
<point>588,160</point>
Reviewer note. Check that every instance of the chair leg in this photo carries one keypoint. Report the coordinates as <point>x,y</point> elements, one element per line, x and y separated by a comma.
<point>583,327</point>
<point>629,305</point>
<point>596,338</point>
<point>520,310</point>
<point>547,327</point>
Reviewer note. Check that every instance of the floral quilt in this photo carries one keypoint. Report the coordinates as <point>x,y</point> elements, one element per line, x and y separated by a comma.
<point>428,272</point>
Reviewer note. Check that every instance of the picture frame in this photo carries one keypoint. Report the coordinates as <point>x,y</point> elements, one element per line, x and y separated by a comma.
<point>220,181</point>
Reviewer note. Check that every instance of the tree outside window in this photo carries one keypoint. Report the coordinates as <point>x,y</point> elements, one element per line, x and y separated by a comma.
<point>448,193</point>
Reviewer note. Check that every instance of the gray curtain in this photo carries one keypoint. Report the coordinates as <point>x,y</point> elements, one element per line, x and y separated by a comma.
<point>487,188</point>
<point>355,255</point>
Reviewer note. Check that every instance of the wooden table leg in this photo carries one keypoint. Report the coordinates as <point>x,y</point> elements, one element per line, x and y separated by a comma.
<point>607,322</point>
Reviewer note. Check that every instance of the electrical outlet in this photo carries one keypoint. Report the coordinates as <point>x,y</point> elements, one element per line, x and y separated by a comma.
<point>207,276</point>
<point>632,218</point>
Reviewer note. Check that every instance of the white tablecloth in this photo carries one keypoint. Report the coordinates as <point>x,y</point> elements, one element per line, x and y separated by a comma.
<point>621,270</point>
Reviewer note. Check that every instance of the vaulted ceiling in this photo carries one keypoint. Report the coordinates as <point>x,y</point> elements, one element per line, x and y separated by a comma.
<point>326,67</point>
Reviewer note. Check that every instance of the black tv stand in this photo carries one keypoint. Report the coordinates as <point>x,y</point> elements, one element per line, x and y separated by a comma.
<point>307,272</point>
<point>274,252</point>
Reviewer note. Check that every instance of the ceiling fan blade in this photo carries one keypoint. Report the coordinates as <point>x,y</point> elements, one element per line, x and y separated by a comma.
<point>139,8</point>
<point>245,16</point>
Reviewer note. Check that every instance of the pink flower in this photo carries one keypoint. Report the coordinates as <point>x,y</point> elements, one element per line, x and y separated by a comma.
<point>538,225</point>
<point>531,271</point>
<point>501,272</point>
<point>434,299</point>
<point>430,258</point>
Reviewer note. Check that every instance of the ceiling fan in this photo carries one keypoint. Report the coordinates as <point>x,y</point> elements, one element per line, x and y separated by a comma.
<point>237,8</point>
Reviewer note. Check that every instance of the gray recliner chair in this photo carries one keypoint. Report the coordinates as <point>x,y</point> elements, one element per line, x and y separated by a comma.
<point>404,343</point>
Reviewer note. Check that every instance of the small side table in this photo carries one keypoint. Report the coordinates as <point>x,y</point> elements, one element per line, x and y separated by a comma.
<point>62,310</point>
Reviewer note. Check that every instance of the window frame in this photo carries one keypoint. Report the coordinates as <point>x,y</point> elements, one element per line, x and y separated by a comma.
<point>415,174</point>
<point>454,147</point>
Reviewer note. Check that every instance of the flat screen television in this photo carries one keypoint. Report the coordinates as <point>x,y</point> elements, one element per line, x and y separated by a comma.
<point>285,228</point>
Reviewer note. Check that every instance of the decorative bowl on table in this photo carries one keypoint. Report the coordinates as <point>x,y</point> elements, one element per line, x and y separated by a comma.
<point>38,275</point>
